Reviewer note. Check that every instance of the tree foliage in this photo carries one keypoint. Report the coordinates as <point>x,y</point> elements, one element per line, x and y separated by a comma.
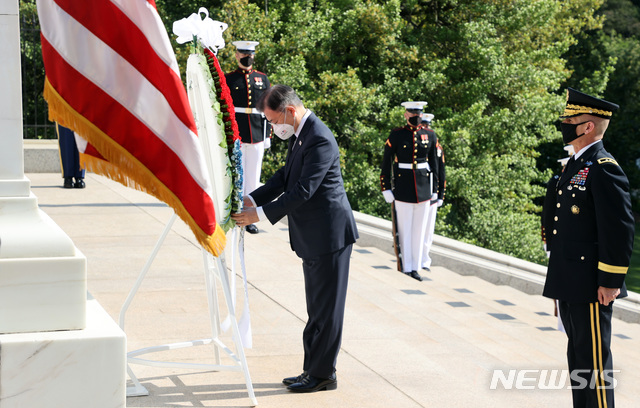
<point>612,55</point>
<point>492,71</point>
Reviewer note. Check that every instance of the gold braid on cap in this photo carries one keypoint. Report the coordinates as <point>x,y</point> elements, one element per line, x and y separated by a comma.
<point>573,110</point>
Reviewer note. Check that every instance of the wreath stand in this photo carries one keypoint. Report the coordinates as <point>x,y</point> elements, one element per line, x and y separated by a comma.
<point>214,269</point>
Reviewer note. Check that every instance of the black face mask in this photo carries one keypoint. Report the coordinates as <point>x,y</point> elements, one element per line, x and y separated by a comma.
<point>415,120</point>
<point>569,131</point>
<point>247,61</point>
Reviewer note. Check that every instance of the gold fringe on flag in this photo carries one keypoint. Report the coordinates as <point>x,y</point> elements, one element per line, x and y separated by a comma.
<point>124,168</point>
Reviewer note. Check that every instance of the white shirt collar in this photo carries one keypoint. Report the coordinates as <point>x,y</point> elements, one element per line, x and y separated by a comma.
<point>307,113</point>
<point>584,149</point>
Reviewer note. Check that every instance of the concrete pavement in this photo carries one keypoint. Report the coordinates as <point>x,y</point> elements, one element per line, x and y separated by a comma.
<point>406,343</point>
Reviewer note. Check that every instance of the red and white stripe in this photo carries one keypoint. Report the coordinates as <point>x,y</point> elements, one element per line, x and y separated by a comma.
<point>112,63</point>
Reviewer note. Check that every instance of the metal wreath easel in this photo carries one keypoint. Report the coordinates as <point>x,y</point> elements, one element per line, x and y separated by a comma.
<point>214,268</point>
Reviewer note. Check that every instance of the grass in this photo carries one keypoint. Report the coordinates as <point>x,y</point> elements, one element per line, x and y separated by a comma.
<point>633,275</point>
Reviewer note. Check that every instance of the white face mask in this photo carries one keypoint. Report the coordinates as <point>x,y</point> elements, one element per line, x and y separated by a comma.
<point>284,130</point>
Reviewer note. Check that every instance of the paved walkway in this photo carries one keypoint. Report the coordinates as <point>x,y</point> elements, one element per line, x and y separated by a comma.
<point>406,343</point>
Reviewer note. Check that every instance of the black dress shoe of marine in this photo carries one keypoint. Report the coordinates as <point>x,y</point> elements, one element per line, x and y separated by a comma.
<point>310,383</point>
<point>68,182</point>
<point>293,380</point>
<point>251,229</point>
<point>415,275</point>
<point>79,183</point>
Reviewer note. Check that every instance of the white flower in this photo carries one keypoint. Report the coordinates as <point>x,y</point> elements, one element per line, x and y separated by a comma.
<point>208,31</point>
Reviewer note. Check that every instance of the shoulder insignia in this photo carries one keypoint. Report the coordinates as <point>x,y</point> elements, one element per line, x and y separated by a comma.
<point>388,143</point>
<point>607,160</point>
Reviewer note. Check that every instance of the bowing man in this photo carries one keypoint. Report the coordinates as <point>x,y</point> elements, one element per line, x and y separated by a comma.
<point>309,191</point>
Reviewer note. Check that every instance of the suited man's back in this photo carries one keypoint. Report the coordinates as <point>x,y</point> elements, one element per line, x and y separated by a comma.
<point>314,200</point>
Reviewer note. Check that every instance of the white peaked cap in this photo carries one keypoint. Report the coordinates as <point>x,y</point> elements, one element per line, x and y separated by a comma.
<point>427,117</point>
<point>414,105</point>
<point>246,45</point>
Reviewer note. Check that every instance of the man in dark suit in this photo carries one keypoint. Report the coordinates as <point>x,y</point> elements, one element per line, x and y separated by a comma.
<point>590,241</point>
<point>247,86</point>
<point>309,190</point>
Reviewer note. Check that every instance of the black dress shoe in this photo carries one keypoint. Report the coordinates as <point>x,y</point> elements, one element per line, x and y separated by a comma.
<point>293,380</point>
<point>312,384</point>
<point>68,182</point>
<point>79,183</point>
<point>415,275</point>
<point>251,229</point>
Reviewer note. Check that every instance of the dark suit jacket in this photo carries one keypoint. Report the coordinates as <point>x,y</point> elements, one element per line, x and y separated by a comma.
<point>591,228</point>
<point>309,190</point>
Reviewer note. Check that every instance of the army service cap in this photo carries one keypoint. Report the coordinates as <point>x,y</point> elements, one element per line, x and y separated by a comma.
<point>579,103</point>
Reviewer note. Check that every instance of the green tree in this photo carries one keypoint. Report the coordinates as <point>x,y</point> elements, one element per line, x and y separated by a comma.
<point>490,70</point>
<point>606,63</point>
<point>34,108</point>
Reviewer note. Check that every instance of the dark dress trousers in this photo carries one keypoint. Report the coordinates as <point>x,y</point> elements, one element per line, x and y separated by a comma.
<point>69,155</point>
<point>247,87</point>
<point>589,229</point>
<point>309,190</point>
<point>414,146</point>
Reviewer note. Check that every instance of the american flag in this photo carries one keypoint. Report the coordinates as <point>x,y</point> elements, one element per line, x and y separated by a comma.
<point>112,77</point>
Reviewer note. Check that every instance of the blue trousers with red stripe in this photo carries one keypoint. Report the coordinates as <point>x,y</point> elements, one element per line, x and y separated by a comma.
<point>588,327</point>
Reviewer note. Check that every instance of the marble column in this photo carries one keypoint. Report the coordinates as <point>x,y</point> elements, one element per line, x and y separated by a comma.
<point>42,275</point>
<point>55,351</point>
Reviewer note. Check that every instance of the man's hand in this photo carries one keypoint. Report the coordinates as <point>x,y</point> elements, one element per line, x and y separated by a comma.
<point>246,201</point>
<point>248,216</point>
<point>607,295</point>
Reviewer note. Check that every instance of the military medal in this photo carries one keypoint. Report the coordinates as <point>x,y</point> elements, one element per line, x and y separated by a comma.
<point>580,179</point>
<point>575,209</point>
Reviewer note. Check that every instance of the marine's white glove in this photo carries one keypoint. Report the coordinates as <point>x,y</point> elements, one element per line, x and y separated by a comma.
<point>267,143</point>
<point>388,196</point>
<point>440,202</point>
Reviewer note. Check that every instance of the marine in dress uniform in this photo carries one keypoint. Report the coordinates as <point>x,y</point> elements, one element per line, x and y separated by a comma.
<point>247,86</point>
<point>69,158</point>
<point>408,176</point>
<point>438,188</point>
<point>590,239</point>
